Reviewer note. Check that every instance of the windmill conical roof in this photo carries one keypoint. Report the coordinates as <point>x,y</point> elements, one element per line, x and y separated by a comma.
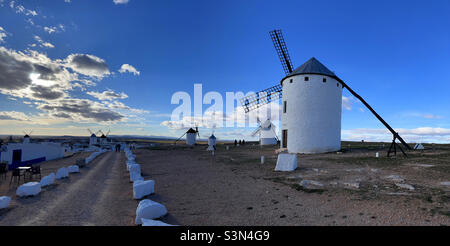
<point>213,137</point>
<point>191,131</point>
<point>313,66</point>
<point>93,135</point>
<point>266,125</point>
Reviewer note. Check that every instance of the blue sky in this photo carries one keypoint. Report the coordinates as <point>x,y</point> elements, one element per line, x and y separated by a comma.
<point>393,53</point>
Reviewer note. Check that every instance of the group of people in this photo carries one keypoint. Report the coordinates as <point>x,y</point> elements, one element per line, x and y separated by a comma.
<point>117,147</point>
<point>241,142</point>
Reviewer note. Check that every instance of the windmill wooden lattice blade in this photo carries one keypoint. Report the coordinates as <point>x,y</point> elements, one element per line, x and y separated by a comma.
<point>280,47</point>
<point>261,98</point>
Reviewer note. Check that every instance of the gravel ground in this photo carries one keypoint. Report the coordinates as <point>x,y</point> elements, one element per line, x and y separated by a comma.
<point>236,190</point>
<point>99,195</point>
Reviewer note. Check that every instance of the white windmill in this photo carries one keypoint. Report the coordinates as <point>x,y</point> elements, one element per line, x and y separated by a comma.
<point>92,138</point>
<point>191,136</point>
<point>267,134</point>
<point>104,137</point>
<point>26,138</point>
<point>312,104</point>
<point>212,142</point>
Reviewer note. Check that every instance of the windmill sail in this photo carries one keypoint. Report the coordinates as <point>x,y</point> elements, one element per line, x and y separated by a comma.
<point>280,47</point>
<point>256,131</point>
<point>261,98</point>
<point>266,96</point>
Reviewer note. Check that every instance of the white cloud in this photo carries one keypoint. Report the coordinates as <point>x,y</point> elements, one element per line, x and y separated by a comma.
<point>432,116</point>
<point>42,43</point>
<point>20,9</point>
<point>50,30</point>
<point>421,115</point>
<point>30,21</point>
<point>347,102</point>
<point>88,65</point>
<point>47,84</point>
<point>120,1</point>
<point>3,35</point>
<point>109,95</point>
<point>13,116</point>
<point>420,134</point>
<point>55,29</point>
<point>128,68</point>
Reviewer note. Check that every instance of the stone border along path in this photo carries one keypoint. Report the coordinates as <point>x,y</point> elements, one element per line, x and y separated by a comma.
<point>146,207</point>
<point>77,203</point>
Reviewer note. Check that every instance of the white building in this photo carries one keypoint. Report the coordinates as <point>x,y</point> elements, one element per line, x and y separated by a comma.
<point>26,139</point>
<point>191,136</point>
<point>212,140</point>
<point>103,139</point>
<point>24,154</point>
<point>93,139</point>
<point>267,135</point>
<point>311,109</point>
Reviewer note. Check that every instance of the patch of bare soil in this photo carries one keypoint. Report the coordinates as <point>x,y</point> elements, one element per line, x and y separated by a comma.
<point>356,188</point>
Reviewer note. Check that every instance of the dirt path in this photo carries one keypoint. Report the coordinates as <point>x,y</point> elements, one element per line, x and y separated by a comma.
<point>99,195</point>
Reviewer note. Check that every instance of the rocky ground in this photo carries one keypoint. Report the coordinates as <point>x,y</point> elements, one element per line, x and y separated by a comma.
<point>352,187</point>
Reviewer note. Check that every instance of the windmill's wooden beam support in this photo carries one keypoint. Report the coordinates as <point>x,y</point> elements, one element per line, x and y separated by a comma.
<point>179,138</point>
<point>396,135</point>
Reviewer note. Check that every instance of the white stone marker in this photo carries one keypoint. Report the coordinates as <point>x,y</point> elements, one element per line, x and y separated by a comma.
<point>135,176</point>
<point>29,189</point>
<point>286,162</point>
<point>48,180</point>
<point>73,169</point>
<point>148,209</point>
<point>146,222</point>
<point>62,173</point>
<point>4,201</point>
<point>134,168</point>
<point>143,188</point>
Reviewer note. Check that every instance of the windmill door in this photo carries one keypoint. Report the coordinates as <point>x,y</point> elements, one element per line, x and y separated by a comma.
<point>16,158</point>
<point>285,135</point>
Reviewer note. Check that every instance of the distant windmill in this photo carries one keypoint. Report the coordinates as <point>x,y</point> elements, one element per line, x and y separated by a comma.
<point>92,138</point>
<point>26,138</point>
<point>191,136</point>
<point>104,137</point>
<point>212,142</point>
<point>267,134</point>
<point>312,105</point>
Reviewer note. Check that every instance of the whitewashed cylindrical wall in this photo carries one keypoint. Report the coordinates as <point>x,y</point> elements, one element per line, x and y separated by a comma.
<point>92,140</point>
<point>313,113</point>
<point>212,141</point>
<point>191,138</point>
<point>267,137</point>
